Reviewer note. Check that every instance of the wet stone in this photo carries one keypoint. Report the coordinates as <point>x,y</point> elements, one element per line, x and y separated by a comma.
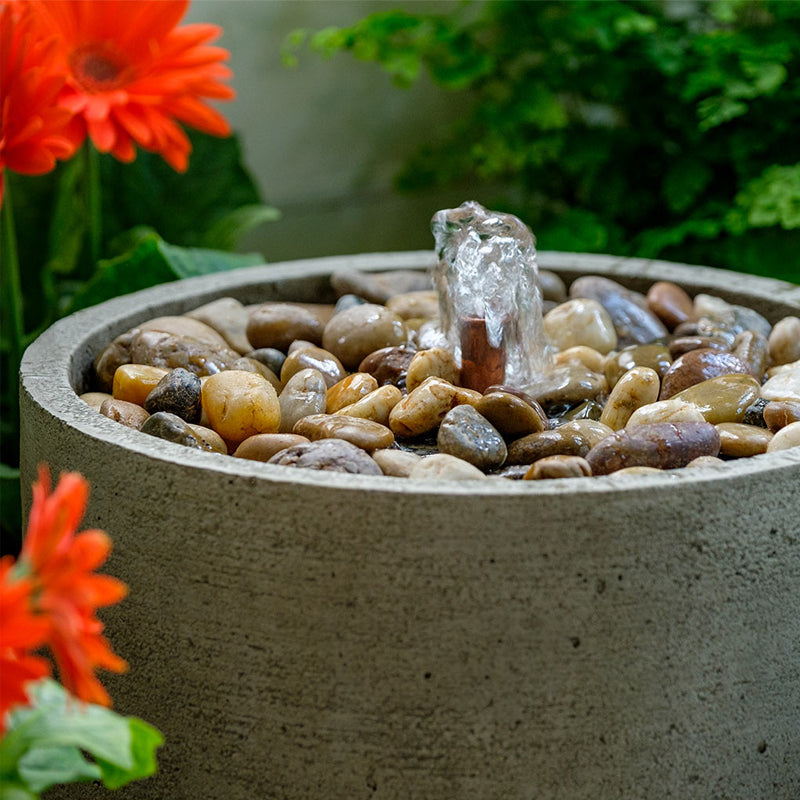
<point>353,334</point>
<point>670,303</point>
<point>411,305</point>
<point>752,349</point>
<point>698,366</point>
<point>303,395</point>
<point>779,414</point>
<point>277,325</point>
<point>742,441</point>
<point>442,466</point>
<point>511,415</point>
<point>128,414</point>
<point>170,350</point>
<point>349,390</point>
<point>172,428</point>
<point>660,446</point>
<point>389,365</point>
<point>580,322</point>
<point>363,433</point>
<point>466,434</point>
<point>559,441</point>
<point>424,408</point>
<point>553,467</point>
<point>633,321</point>
<point>376,406</point>
<point>591,430</point>
<point>263,446</point>
<point>178,392</point>
<point>754,413</point>
<point>636,388</point>
<point>784,341</point>
<point>585,356</point>
<point>672,410</point>
<point>589,409</point>
<point>209,439</point>
<point>569,384</point>
<point>785,438</point>
<point>435,362</point>
<point>783,386</point>
<point>329,455</point>
<point>378,287</point>
<point>424,445</point>
<point>134,382</point>
<point>654,356</point>
<point>704,461</point>
<point>553,287</point>
<point>316,358</point>
<point>271,358</point>
<point>396,463</point>
<point>680,345</point>
<point>722,399</point>
<point>228,317</point>
<point>348,301</point>
<point>94,399</point>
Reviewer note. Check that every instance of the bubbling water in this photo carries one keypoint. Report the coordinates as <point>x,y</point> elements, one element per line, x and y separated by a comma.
<point>489,296</point>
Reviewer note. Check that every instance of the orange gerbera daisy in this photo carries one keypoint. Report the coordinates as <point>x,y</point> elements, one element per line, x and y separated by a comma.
<point>34,130</point>
<point>132,75</point>
<point>66,591</point>
<point>20,631</point>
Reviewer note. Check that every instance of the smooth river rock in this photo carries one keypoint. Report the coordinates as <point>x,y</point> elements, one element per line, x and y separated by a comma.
<point>330,455</point>
<point>444,467</point>
<point>553,467</point>
<point>466,434</point>
<point>698,366</point>
<point>363,433</point>
<point>178,392</point>
<point>279,324</point>
<point>171,428</point>
<point>722,399</point>
<point>580,321</point>
<point>423,409</point>
<point>128,414</point>
<point>353,334</point>
<point>303,395</point>
<point>228,317</point>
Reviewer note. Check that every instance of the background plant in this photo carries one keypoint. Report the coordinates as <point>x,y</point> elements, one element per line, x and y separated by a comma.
<point>644,127</point>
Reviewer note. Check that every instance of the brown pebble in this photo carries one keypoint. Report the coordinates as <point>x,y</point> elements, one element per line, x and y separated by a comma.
<point>279,324</point>
<point>670,303</point>
<point>685,344</point>
<point>697,366</point>
<point>548,443</point>
<point>363,433</point>
<point>313,358</point>
<point>263,446</point>
<point>128,414</point>
<point>738,440</point>
<point>781,413</point>
<point>512,415</point>
<point>558,467</point>
<point>389,365</point>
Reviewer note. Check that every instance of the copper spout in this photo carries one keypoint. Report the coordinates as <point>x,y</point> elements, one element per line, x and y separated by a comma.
<point>481,364</point>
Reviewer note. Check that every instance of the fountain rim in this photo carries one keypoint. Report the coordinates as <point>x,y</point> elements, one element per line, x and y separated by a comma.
<point>49,371</point>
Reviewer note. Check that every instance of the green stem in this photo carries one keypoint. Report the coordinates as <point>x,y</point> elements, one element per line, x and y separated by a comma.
<point>95,202</point>
<point>12,306</point>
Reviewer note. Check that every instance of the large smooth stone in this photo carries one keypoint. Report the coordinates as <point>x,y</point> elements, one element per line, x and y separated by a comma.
<point>466,434</point>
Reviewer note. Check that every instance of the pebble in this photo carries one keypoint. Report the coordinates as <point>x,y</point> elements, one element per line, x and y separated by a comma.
<point>752,349</point>
<point>698,366</point>
<point>128,414</point>
<point>660,446</point>
<point>580,322</point>
<point>133,382</point>
<point>349,390</point>
<point>589,409</point>
<point>704,461</point>
<point>553,287</point>
<point>253,365</point>
<point>558,467</point>
<point>466,434</point>
<point>262,446</point>
<point>376,406</point>
<point>277,325</point>
<point>396,463</point>
<point>363,433</point>
<point>568,384</point>
<point>672,410</point>
<point>178,392</point>
<point>389,365</point>
<point>444,467</point>
<point>784,341</point>
<point>621,473</point>
<point>303,395</point>
<point>722,399</point>
<point>684,344</point>
<point>425,407</point>
<point>636,388</point>
<point>511,415</point>
<point>738,440</point>
<point>170,350</point>
<point>312,357</point>
<point>670,303</point>
<point>585,356</point>
<point>754,413</point>
<point>353,334</point>
<point>172,428</point>
<point>271,358</point>
<point>415,305</point>
<point>348,301</point>
<point>329,455</point>
<point>240,404</point>
<point>779,414</point>
<point>559,441</point>
<point>209,439</point>
<point>654,356</point>
<point>783,386</point>
<point>94,399</point>
<point>228,317</point>
<point>633,321</point>
<point>433,363</point>
<point>785,438</point>
<point>591,430</point>
<point>378,287</point>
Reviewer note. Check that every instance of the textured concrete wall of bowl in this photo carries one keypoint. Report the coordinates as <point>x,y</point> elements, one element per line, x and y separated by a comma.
<point>325,139</point>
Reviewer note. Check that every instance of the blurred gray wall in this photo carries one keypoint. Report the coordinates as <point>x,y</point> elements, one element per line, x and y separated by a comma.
<point>325,139</point>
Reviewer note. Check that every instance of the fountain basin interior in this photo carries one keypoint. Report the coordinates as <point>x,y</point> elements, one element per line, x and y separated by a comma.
<point>298,634</point>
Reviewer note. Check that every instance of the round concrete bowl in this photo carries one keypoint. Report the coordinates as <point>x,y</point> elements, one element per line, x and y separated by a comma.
<point>298,634</point>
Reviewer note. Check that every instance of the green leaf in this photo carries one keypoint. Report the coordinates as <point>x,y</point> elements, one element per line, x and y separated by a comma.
<point>773,198</point>
<point>226,232</point>
<point>70,219</point>
<point>45,743</point>
<point>154,261</point>
<point>684,181</point>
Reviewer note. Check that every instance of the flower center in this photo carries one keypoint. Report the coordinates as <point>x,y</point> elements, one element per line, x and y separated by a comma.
<point>97,68</point>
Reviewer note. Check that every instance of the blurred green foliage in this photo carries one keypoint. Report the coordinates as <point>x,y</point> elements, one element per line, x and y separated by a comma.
<point>646,127</point>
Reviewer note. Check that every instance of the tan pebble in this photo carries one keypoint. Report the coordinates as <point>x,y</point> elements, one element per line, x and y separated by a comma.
<point>722,399</point>
<point>567,383</point>
<point>298,344</point>
<point>672,410</point>
<point>670,303</point>
<point>784,341</point>
<point>423,409</point>
<point>349,390</point>
<point>252,365</point>
<point>558,467</point>
<point>133,382</point>
<point>433,363</point>
<point>376,406</point>
<point>592,430</point>
<point>228,317</point>
<point>94,399</point>
<point>581,354</point>
<point>554,442</point>
<point>704,461</point>
<point>715,309</point>
<point>262,446</point>
<point>128,414</point>
<point>352,334</point>
<point>441,466</point>
<point>513,416</point>
<point>363,433</point>
<point>783,386</point>
<point>785,438</point>
<point>655,356</point>
<point>240,404</point>
<point>396,463</point>
<point>636,388</point>
<point>779,414</point>
<point>580,321</point>
<point>738,440</point>
<point>422,305</point>
<point>279,324</point>
<point>303,395</point>
<point>210,438</point>
<point>752,349</point>
<point>621,473</point>
<point>186,327</point>
<point>314,358</point>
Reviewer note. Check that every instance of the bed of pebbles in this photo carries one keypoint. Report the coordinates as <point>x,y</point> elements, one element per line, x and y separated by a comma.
<point>638,383</point>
